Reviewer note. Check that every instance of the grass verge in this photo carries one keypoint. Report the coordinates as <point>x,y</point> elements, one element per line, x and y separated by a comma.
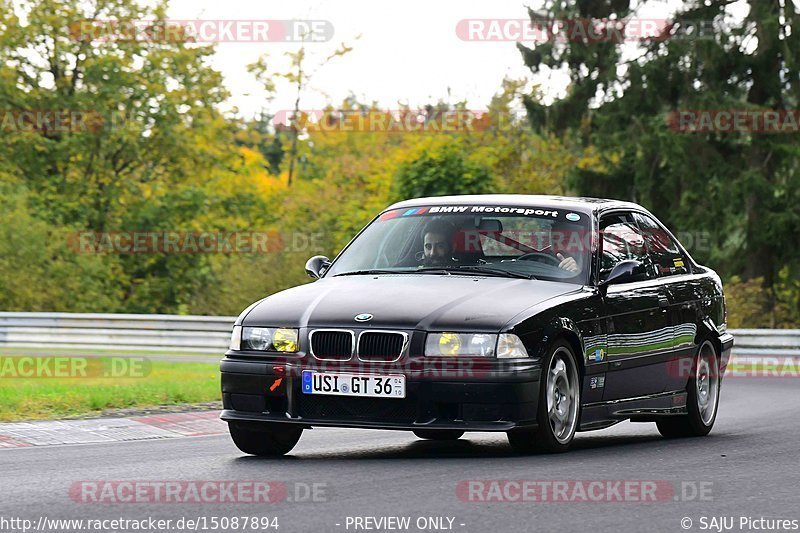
<point>164,383</point>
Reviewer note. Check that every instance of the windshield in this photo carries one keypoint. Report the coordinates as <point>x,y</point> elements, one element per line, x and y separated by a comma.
<point>511,241</point>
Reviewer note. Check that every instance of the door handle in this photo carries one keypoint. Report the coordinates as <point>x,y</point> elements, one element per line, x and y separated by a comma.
<point>663,302</point>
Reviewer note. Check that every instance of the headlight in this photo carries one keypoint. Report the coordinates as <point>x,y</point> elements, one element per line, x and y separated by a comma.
<point>236,338</point>
<point>510,346</point>
<point>257,338</point>
<point>460,344</point>
<point>448,344</point>
<point>284,340</point>
<point>269,339</point>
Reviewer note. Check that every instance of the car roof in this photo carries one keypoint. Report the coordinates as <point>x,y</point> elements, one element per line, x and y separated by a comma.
<point>586,205</point>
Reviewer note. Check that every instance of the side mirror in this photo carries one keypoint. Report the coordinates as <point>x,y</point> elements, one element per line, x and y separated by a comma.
<point>317,265</point>
<point>624,272</point>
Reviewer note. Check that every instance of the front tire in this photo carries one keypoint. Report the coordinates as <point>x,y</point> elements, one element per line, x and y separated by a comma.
<point>559,405</point>
<point>702,400</point>
<point>265,440</point>
<point>439,434</point>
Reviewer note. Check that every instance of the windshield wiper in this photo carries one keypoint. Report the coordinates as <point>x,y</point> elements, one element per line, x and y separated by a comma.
<point>498,271</point>
<point>373,271</point>
<point>423,270</point>
<point>444,269</point>
<point>468,269</point>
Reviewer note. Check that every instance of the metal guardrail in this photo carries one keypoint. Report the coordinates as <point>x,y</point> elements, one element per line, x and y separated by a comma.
<point>210,334</point>
<point>85,331</point>
<point>766,342</point>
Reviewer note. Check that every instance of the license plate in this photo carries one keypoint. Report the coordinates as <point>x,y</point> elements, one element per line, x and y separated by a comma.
<point>393,386</point>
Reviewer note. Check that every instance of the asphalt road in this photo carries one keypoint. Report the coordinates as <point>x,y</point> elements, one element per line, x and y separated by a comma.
<point>749,466</point>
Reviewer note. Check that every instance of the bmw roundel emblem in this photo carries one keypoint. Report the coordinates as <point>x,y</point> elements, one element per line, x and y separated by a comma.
<point>363,317</point>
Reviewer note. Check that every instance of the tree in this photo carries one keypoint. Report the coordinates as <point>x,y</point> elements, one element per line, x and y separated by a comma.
<point>148,151</point>
<point>38,269</point>
<point>261,134</point>
<point>152,102</point>
<point>442,169</point>
<point>299,75</point>
<point>743,187</point>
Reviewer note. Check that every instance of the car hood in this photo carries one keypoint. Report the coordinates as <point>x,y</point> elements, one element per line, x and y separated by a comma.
<point>425,302</point>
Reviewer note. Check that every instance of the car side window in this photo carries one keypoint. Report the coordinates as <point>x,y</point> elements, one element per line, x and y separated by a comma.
<point>663,250</point>
<point>621,241</point>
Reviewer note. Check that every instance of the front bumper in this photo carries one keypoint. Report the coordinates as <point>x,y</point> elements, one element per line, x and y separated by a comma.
<point>490,396</point>
<point>726,346</point>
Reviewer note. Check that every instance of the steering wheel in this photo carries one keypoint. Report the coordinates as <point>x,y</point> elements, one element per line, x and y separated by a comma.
<point>381,261</point>
<point>536,255</point>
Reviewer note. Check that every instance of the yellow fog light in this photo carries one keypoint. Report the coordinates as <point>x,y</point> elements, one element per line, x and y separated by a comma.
<point>449,344</point>
<point>285,340</point>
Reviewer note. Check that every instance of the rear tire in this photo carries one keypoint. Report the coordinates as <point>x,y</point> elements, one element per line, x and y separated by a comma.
<point>439,434</point>
<point>702,400</point>
<point>265,439</point>
<point>559,407</point>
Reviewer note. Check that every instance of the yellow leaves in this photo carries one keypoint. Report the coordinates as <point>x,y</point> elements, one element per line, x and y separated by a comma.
<point>269,185</point>
<point>589,161</point>
<point>593,160</point>
<point>250,156</point>
<point>250,175</point>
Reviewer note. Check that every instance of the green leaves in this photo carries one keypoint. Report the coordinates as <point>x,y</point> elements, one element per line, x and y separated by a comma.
<point>158,140</point>
<point>738,185</point>
<point>442,170</point>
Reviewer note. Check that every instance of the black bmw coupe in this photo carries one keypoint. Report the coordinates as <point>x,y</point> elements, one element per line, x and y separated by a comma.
<point>536,316</point>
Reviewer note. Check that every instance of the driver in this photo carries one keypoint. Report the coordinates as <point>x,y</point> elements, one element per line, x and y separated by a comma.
<point>560,233</point>
<point>567,263</point>
<point>437,244</point>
